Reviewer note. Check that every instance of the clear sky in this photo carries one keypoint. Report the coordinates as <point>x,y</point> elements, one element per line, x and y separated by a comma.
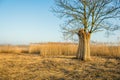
<point>31,21</point>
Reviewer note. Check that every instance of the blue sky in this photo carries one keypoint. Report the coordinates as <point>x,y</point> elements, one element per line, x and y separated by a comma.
<point>31,21</point>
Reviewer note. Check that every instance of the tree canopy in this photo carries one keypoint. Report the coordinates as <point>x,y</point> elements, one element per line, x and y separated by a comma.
<point>90,15</point>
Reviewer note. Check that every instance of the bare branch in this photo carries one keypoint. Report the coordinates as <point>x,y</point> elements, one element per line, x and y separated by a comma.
<point>89,15</point>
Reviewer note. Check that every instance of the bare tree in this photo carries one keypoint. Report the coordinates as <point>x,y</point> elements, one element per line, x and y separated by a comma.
<point>84,17</point>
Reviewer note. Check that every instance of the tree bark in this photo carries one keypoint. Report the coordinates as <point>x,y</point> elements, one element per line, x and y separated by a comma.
<point>83,52</point>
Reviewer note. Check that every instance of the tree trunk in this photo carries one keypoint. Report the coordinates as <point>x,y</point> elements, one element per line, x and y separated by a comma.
<point>83,52</point>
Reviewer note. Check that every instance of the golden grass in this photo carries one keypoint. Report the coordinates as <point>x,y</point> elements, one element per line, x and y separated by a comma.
<point>59,63</point>
<point>105,50</point>
<point>35,67</point>
<point>53,49</point>
<point>57,49</point>
<point>14,49</point>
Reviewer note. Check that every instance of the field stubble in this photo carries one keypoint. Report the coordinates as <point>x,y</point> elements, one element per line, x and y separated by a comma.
<point>35,67</point>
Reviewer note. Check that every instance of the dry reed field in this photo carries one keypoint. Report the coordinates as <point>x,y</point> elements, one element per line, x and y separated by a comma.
<point>70,49</point>
<point>56,61</point>
<point>66,49</point>
<point>14,49</point>
<point>53,49</point>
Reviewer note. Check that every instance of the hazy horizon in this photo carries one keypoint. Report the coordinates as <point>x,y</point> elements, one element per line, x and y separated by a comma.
<point>31,21</point>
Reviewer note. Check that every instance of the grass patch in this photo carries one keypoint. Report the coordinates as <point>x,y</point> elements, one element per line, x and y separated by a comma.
<point>35,67</point>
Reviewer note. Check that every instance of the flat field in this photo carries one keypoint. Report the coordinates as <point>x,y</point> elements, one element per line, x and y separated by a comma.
<point>24,66</point>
